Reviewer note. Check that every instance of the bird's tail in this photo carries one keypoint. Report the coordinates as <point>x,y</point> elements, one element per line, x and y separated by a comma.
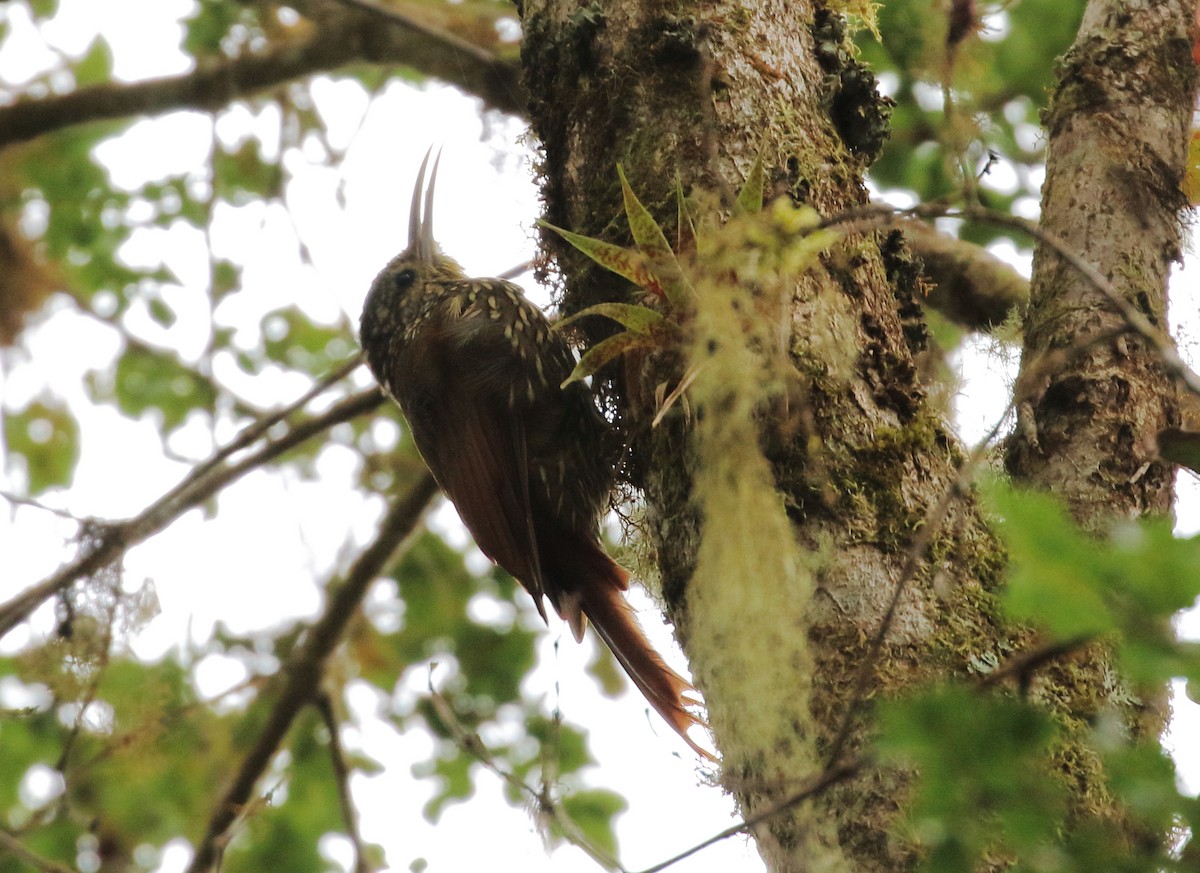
<point>598,594</point>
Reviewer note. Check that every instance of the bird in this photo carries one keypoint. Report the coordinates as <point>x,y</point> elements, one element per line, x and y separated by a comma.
<point>478,372</point>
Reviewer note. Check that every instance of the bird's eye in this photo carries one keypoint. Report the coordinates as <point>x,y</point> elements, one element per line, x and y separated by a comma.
<point>405,278</point>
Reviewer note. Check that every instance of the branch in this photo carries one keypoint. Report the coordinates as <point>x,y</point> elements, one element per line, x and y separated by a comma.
<point>301,675</point>
<point>876,215</point>
<point>544,803</point>
<point>21,852</point>
<point>114,539</point>
<point>339,40</point>
<point>880,215</point>
<point>341,776</point>
<point>1023,664</point>
<point>815,786</point>
<point>973,287</point>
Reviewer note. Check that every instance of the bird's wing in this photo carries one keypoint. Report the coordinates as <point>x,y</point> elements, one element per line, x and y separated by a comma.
<point>475,449</point>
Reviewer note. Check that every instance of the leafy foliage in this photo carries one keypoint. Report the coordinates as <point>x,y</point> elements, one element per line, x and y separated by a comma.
<point>106,756</point>
<point>984,782</point>
<point>46,437</point>
<point>986,785</point>
<point>999,81</point>
<point>1130,585</point>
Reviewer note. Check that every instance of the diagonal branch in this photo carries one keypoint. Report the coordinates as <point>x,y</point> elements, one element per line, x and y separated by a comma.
<point>544,802</point>
<point>114,539</point>
<point>350,36</point>
<point>301,675</point>
<point>23,853</point>
<point>341,776</point>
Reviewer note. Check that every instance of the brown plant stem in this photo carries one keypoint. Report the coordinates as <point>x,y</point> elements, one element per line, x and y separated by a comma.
<point>115,538</point>
<point>301,675</point>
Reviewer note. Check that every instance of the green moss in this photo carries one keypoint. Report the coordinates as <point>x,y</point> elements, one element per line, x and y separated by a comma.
<point>877,473</point>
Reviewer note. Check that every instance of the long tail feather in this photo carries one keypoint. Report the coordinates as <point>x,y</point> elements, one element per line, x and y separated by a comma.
<point>594,589</point>
<point>664,689</point>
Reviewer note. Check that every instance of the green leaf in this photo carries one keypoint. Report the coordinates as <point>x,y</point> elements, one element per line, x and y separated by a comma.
<point>96,64</point>
<point>208,27</point>
<point>456,785</point>
<point>686,234</point>
<point>160,312</point>
<point>43,9</point>
<point>46,435</point>
<point>606,351</point>
<point>244,176</point>
<point>152,380</point>
<point>1053,573</point>
<point>566,743</point>
<point>1079,585</point>
<point>1143,776</point>
<point>292,338</point>
<point>638,319</point>
<point>594,812</point>
<point>626,263</point>
<point>984,775</point>
<point>750,198</point>
<point>226,278</point>
<point>653,244</point>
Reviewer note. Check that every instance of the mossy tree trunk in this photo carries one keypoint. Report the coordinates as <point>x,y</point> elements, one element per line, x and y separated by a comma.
<point>1117,126</point>
<point>1094,395</point>
<point>858,453</point>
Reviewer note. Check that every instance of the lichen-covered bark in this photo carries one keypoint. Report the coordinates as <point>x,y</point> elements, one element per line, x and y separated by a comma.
<point>668,88</point>
<point>1096,397</point>
<point>1117,128</point>
<point>857,452</point>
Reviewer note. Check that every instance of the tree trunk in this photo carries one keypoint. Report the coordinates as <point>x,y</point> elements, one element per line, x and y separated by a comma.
<point>1117,129</point>
<point>666,91</point>
<point>860,457</point>
<point>1094,395</point>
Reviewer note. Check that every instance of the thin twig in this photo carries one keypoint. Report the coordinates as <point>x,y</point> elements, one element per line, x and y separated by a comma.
<point>545,803</point>
<point>932,522</point>
<point>19,500</point>
<point>252,432</point>
<point>912,560</point>
<point>338,41</point>
<point>874,215</point>
<point>117,537</point>
<point>444,37</point>
<point>1023,664</point>
<point>815,787</point>
<point>23,853</point>
<point>1141,325</point>
<point>473,745</point>
<point>301,675</point>
<point>341,777</point>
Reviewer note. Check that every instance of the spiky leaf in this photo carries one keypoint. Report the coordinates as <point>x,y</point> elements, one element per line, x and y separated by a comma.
<point>638,319</point>
<point>750,198</point>
<point>626,263</point>
<point>653,244</point>
<point>605,351</point>
<point>686,235</point>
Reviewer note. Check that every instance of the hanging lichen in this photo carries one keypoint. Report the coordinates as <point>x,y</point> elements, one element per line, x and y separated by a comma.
<point>721,300</point>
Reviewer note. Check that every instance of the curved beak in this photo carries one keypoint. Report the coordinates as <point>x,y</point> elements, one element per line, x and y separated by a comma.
<point>420,226</point>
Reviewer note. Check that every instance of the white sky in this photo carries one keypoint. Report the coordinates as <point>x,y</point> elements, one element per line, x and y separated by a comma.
<point>485,207</point>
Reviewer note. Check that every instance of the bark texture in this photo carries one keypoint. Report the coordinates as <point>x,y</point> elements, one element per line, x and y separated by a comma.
<point>858,454</point>
<point>1117,129</point>
<point>668,88</point>
<point>1092,397</point>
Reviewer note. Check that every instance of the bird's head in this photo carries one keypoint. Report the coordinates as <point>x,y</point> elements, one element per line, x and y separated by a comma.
<point>416,270</point>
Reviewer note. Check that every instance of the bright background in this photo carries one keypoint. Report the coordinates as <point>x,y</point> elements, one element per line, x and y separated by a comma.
<point>254,566</point>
